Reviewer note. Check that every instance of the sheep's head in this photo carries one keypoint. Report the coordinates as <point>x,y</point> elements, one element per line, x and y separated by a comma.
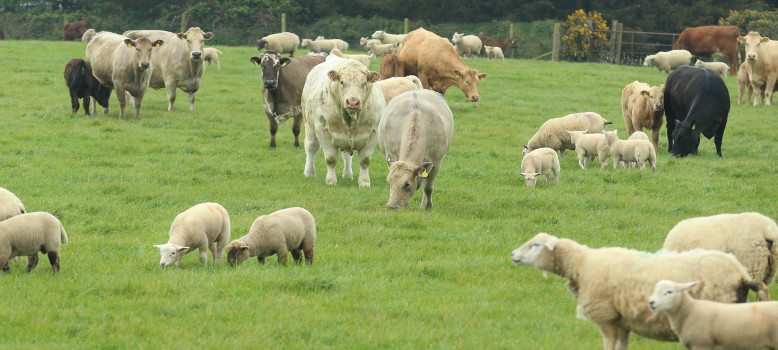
<point>351,84</point>
<point>404,180</point>
<point>237,252</point>
<point>194,38</point>
<point>668,295</point>
<point>574,134</point>
<point>379,34</point>
<point>611,136</point>
<point>536,252</point>
<point>171,253</point>
<point>530,178</point>
<point>457,37</point>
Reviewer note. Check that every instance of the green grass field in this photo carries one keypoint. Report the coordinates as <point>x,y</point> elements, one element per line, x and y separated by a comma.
<point>410,279</point>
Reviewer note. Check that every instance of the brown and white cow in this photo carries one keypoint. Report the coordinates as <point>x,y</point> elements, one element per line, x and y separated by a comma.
<point>178,64</point>
<point>707,40</point>
<point>436,63</point>
<point>74,30</point>
<point>762,62</point>
<point>123,64</point>
<point>283,80</point>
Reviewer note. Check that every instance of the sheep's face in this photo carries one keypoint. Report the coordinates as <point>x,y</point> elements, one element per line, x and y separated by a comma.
<point>237,253</point>
<point>351,84</point>
<point>379,34</point>
<point>530,178</point>
<point>171,253</point>
<point>686,140</point>
<point>535,252</point>
<point>668,295</point>
<point>457,37</point>
<point>404,179</point>
<point>611,136</point>
<point>649,61</point>
<point>467,81</point>
<point>194,38</point>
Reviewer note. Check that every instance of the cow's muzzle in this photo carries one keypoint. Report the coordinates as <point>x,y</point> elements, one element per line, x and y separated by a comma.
<point>353,103</point>
<point>196,55</point>
<point>475,98</point>
<point>270,84</point>
<point>143,65</point>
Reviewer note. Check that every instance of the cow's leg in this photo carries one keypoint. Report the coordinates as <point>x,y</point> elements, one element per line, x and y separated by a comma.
<point>74,101</point>
<point>170,87</point>
<point>273,129</point>
<point>768,91</point>
<point>296,130</point>
<point>191,101</point>
<point>86,105</point>
<point>32,261</point>
<point>426,200</point>
<point>54,261</point>
<point>759,94</point>
<point>331,157</point>
<point>364,165</point>
<point>138,101</point>
<point>311,147</point>
<point>718,137</point>
<point>122,97</point>
<point>348,172</point>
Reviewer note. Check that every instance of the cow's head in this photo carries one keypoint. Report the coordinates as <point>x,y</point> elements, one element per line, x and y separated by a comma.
<point>351,84</point>
<point>467,81</point>
<point>657,96</point>
<point>103,95</point>
<point>271,64</point>
<point>686,139</point>
<point>753,41</point>
<point>194,38</point>
<point>143,48</point>
<point>404,179</point>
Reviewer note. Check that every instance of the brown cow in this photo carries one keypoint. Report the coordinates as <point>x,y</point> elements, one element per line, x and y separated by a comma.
<point>506,44</point>
<point>707,40</point>
<point>74,30</point>
<point>391,67</point>
<point>436,63</point>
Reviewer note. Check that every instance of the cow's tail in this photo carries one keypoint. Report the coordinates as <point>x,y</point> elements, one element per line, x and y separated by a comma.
<point>77,75</point>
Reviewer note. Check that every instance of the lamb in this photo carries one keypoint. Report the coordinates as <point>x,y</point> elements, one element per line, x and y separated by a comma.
<point>324,45</point>
<point>587,146</point>
<point>281,43</point>
<point>744,83</point>
<point>364,59</point>
<point>553,133</point>
<point>668,60</point>
<point>364,41</point>
<point>203,226</point>
<point>387,38</point>
<point>750,237</point>
<point>638,135</point>
<point>494,52</point>
<point>612,285</point>
<point>467,44</point>
<point>394,86</point>
<point>542,161</point>
<point>285,230</point>
<point>638,151</point>
<point>10,205</point>
<point>703,324</point>
<point>381,49</point>
<point>211,55</point>
<point>30,233</point>
<point>718,67</point>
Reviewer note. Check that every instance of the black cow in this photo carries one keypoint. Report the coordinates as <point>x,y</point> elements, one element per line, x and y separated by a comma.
<point>696,102</point>
<point>283,80</point>
<point>82,84</point>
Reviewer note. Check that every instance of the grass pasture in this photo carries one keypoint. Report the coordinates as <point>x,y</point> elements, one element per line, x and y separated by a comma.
<point>410,279</point>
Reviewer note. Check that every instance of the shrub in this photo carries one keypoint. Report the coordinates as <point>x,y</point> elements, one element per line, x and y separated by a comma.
<point>585,32</point>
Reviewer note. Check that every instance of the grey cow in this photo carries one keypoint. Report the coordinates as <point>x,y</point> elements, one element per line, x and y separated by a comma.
<point>415,134</point>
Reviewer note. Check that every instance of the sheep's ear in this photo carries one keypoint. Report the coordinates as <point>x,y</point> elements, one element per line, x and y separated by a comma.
<point>284,61</point>
<point>334,75</point>
<point>183,250</point>
<point>255,60</point>
<point>550,243</point>
<point>159,246</point>
<point>244,247</point>
<point>686,286</point>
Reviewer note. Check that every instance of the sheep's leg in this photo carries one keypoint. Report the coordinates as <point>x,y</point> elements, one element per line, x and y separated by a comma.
<point>54,261</point>
<point>191,101</point>
<point>581,159</point>
<point>282,253</point>
<point>348,172</point>
<point>261,259</point>
<point>212,248</point>
<point>170,87</point>
<point>297,255</point>
<point>610,336</point>
<point>4,264</point>
<point>622,340</point>
<point>296,130</point>
<point>308,251</point>
<point>203,255</point>
<point>32,261</point>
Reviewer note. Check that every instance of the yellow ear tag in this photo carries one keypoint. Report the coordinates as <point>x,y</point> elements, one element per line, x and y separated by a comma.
<point>285,63</point>
<point>424,173</point>
<point>129,45</point>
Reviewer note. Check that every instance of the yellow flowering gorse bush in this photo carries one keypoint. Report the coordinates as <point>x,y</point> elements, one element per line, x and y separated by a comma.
<point>582,38</point>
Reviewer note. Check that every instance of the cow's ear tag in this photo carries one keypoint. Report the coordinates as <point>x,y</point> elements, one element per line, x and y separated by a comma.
<point>129,45</point>
<point>283,64</point>
<point>424,173</point>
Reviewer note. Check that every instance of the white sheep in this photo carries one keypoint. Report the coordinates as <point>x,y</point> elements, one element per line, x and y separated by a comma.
<point>718,67</point>
<point>211,55</point>
<point>638,135</point>
<point>324,45</point>
<point>625,151</point>
<point>364,59</point>
<point>394,86</point>
<point>280,232</point>
<point>612,285</point>
<point>494,52</point>
<point>28,234</point>
<point>281,43</point>
<point>387,38</point>
<point>364,41</point>
<point>10,205</point>
<point>553,133</point>
<point>381,49</point>
<point>668,60</point>
<point>751,237</point>
<point>542,161</point>
<point>205,226</point>
<point>588,146</point>
<point>467,44</point>
<point>704,324</point>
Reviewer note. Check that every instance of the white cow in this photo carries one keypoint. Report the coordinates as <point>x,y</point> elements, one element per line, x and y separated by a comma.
<point>342,108</point>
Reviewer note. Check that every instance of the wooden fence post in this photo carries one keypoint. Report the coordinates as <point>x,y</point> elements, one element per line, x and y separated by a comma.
<point>510,30</point>
<point>555,44</point>
<point>283,22</point>
<point>619,33</point>
<point>612,52</point>
<point>405,25</point>
<point>590,25</point>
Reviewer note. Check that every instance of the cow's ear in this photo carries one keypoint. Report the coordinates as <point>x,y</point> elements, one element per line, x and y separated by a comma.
<point>741,39</point>
<point>333,75</point>
<point>157,43</point>
<point>373,77</point>
<point>181,36</point>
<point>457,72</point>
<point>662,87</point>
<point>677,123</point>
<point>645,93</point>
<point>284,61</point>
<point>481,76</point>
<point>765,39</point>
<point>424,170</point>
<point>255,60</point>
<point>208,35</point>
<point>129,42</point>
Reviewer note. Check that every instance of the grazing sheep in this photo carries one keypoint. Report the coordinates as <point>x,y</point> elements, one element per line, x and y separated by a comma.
<point>364,59</point>
<point>612,285</point>
<point>751,237</point>
<point>281,43</point>
<point>744,83</point>
<point>10,205</point>
<point>542,161</point>
<point>324,45</point>
<point>553,133</point>
<point>638,135</point>
<point>642,106</point>
<point>381,49</point>
<point>211,55</point>
<point>625,151</point>
<point>467,44</point>
<point>587,146</point>
<point>668,60</point>
<point>280,232</point>
<point>203,226</point>
<point>718,67</point>
<point>364,41</point>
<point>28,234</point>
<point>387,38</point>
<point>494,52</point>
<point>394,86</point>
<point>704,324</point>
